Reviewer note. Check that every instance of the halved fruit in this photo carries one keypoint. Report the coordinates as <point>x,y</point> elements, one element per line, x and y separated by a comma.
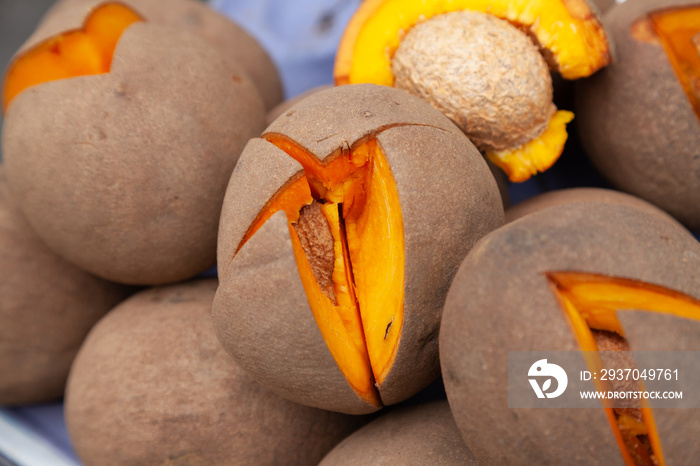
<point>567,34</point>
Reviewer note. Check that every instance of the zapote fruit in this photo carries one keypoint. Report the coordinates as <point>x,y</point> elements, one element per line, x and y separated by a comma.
<point>342,227</point>
<point>119,138</point>
<point>484,64</point>
<point>413,435</point>
<point>567,278</point>
<point>47,308</point>
<point>640,118</point>
<point>579,195</point>
<point>152,385</point>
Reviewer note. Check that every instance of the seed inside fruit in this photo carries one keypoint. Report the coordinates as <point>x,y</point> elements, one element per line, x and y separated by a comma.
<point>568,29</point>
<point>590,302</point>
<point>347,234</point>
<point>678,30</point>
<point>74,53</point>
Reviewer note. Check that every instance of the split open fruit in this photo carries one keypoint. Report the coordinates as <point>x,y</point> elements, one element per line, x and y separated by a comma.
<point>119,138</point>
<point>640,117</point>
<point>483,63</point>
<point>569,279</point>
<point>340,232</point>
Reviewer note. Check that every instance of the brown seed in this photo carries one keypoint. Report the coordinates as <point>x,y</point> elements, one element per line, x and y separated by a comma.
<point>483,73</point>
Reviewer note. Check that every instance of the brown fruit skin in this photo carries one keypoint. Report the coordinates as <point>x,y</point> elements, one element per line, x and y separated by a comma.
<point>193,17</point>
<point>501,301</point>
<point>636,122</point>
<point>282,107</point>
<point>140,395</point>
<point>416,435</point>
<point>124,173</point>
<point>576,195</point>
<point>448,200</point>
<point>47,308</point>
<point>602,5</point>
<point>502,183</point>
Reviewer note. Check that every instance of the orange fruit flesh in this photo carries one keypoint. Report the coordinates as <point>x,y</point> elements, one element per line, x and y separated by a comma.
<point>74,53</point>
<point>590,302</point>
<point>359,199</point>
<point>676,29</point>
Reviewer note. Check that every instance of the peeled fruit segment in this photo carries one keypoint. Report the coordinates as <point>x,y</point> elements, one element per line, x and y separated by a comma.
<point>74,53</point>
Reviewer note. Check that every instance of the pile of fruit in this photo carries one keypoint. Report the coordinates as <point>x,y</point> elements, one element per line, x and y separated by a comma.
<point>359,232</point>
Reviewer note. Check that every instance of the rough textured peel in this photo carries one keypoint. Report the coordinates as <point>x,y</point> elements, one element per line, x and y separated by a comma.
<point>153,386</point>
<point>507,270</point>
<point>124,173</point>
<point>367,155</point>
<point>635,119</point>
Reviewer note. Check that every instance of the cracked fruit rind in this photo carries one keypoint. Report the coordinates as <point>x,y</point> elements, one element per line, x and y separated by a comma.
<point>152,385</point>
<point>502,300</point>
<point>198,18</point>
<point>419,434</point>
<point>123,173</point>
<point>404,195</point>
<point>636,120</point>
<point>47,308</point>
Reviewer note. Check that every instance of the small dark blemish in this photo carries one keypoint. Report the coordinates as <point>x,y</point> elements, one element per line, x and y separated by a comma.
<point>325,23</point>
<point>290,113</point>
<point>386,332</point>
<point>237,78</point>
<point>120,90</point>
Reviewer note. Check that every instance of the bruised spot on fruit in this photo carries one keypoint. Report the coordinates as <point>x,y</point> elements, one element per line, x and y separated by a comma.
<point>504,47</point>
<point>678,29</point>
<point>80,52</point>
<point>347,235</point>
<point>590,302</point>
